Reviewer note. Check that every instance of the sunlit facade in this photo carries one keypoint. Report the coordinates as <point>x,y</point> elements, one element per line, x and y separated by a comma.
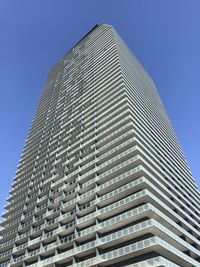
<point>102,180</point>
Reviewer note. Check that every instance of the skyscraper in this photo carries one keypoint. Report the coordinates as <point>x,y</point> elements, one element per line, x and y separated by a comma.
<point>102,180</point>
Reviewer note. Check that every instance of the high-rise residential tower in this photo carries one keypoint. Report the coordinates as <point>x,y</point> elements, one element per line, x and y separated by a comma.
<point>102,180</point>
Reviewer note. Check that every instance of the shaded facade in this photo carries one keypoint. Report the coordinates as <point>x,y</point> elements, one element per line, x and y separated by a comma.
<point>102,180</point>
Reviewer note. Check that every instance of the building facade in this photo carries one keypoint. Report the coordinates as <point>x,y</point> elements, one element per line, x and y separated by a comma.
<point>102,180</point>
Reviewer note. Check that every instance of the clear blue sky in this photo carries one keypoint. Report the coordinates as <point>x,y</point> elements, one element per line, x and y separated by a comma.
<point>163,34</point>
